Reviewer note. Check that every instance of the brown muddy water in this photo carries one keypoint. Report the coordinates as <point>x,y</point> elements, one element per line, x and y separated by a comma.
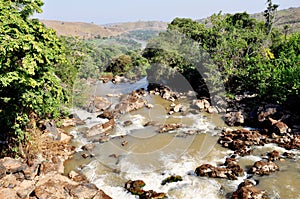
<point>151,156</point>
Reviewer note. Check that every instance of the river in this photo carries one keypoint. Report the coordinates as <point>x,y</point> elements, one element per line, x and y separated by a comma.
<point>151,156</point>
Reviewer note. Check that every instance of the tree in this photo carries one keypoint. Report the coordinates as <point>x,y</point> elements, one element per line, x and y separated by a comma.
<point>28,83</point>
<point>269,15</point>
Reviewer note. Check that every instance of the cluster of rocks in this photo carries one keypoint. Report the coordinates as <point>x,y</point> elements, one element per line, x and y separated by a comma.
<point>204,105</point>
<point>136,188</point>
<point>43,179</point>
<point>241,140</point>
<point>131,102</point>
<point>169,127</point>
<point>288,141</point>
<point>229,170</point>
<point>163,91</point>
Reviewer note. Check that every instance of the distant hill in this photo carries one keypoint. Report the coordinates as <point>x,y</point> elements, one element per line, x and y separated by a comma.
<point>284,17</point>
<point>80,29</point>
<point>90,30</point>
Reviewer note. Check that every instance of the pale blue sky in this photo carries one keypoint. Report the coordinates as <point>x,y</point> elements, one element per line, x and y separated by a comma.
<point>112,11</point>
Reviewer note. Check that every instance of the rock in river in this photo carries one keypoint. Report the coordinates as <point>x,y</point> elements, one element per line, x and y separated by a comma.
<point>247,190</point>
<point>263,168</point>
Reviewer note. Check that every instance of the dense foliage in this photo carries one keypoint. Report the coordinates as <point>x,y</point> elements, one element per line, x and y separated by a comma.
<point>250,55</point>
<point>29,86</point>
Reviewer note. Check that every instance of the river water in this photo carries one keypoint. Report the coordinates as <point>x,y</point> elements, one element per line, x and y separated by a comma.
<point>152,157</point>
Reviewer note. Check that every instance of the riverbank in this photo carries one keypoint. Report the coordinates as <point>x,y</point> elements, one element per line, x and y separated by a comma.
<point>41,172</point>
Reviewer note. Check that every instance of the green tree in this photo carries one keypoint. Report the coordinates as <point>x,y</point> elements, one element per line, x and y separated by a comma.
<point>269,15</point>
<point>28,83</point>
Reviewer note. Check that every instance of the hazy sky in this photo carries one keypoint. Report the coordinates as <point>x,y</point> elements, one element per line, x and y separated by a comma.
<point>112,11</point>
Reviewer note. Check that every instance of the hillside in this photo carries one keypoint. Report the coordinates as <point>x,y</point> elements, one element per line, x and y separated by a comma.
<point>90,30</point>
<point>284,17</point>
<point>80,29</point>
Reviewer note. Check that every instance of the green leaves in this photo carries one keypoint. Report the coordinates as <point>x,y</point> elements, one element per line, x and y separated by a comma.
<point>28,84</point>
<point>249,58</point>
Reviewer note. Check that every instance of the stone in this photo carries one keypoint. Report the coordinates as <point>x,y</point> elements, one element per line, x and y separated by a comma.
<point>13,165</point>
<point>63,137</point>
<point>47,167</point>
<point>212,109</point>
<point>241,140</point>
<point>106,115</point>
<point>72,122</point>
<point>77,177</point>
<point>230,170</point>
<point>2,170</point>
<point>117,79</point>
<point>169,127</point>
<point>88,147</point>
<point>263,168</point>
<point>85,155</point>
<point>177,108</point>
<point>130,103</point>
<point>53,185</point>
<point>9,181</point>
<point>272,156</point>
<point>124,143</point>
<point>135,188</point>
<point>279,127</point>
<point>173,178</point>
<point>25,188</point>
<point>84,190</point>
<point>163,91</point>
<point>101,195</point>
<point>100,129</point>
<point>98,104</point>
<point>108,125</point>
<point>202,104</point>
<point>149,106</point>
<point>269,110</point>
<point>234,118</point>
<point>288,141</point>
<point>247,190</point>
<point>127,123</point>
<point>8,193</point>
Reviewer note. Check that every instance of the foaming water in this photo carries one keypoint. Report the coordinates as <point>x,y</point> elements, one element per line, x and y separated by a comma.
<point>139,152</point>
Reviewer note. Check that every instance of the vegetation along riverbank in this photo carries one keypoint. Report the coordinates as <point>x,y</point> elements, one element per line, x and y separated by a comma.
<point>241,69</point>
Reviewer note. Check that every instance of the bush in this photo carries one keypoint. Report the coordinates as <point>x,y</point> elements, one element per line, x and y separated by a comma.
<point>28,83</point>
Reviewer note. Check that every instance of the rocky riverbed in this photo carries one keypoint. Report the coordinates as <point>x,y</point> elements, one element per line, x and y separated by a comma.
<point>43,176</point>
<point>131,135</point>
<point>133,142</point>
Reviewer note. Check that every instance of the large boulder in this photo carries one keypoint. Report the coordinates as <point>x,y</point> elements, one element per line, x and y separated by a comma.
<point>136,188</point>
<point>169,127</point>
<point>97,104</point>
<point>278,127</point>
<point>230,170</point>
<point>234,118</point>
<point>130,102</point>
<point>54,185</point>
<point>263,168</point>
<point>100,129</point>
<point>247,190</point>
